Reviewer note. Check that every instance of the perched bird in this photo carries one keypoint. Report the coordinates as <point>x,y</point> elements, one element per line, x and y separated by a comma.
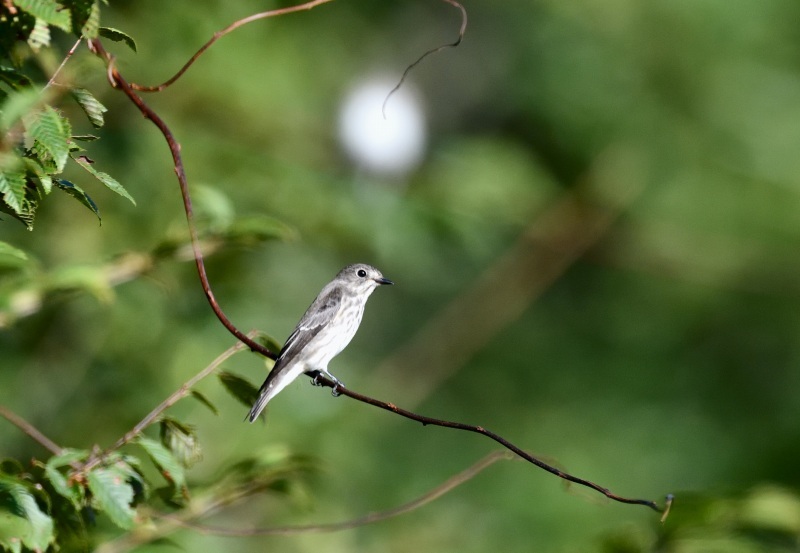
<point>324,331</point>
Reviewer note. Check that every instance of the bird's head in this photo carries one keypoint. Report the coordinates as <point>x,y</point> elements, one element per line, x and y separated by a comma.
<point>362,278</point>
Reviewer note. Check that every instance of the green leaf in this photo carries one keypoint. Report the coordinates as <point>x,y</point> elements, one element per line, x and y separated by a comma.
<point>50,133</point>
<point>268,342</point>
<point>13,78</point>
<point>26,217</point>
<point>44,177</point>
<point>166,462</point>
<point>85,17</point>
<point>181,440</point>
<point>78,193</point>
<point>105,178</point>
<point>38,533</point>
<point>259,228</point>
<point>11,467</point>
<point>195,394</point>
<point>16,106</point>
<point>67,457</point>
<point>40,35</point>
<point>113,494</point>
<point>62,484</point>
<point>93,109</point>
<point>48,10</point>
<point>14,190</point>
<point>118,36</point>
<point>11,257</point>
<point>85,137</point>
<point>85,278</point>
<point>239,388</point>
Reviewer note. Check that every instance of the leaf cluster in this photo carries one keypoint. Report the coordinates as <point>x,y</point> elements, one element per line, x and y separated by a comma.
<point>56,503</point>
<point>36,138</point>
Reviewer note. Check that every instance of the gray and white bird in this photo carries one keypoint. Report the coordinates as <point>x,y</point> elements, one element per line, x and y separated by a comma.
<point>324,331</point>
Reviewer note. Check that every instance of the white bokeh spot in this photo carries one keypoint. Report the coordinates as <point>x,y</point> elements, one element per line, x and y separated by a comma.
<point>389,145</point>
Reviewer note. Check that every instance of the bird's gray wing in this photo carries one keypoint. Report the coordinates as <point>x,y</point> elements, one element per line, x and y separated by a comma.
<point>319,314</point>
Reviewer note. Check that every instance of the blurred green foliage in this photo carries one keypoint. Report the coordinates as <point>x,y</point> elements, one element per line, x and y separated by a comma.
<point>662,359</point>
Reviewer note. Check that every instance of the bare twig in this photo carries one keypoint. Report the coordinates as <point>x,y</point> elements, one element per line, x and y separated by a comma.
<point>430,52</point>
<point>30,430</point>
<point>428,497</point>
<point>187,519</point>
<point>219,34</point>
<point>63,63</point>
<point>177,395</point>
<point>173,398</point>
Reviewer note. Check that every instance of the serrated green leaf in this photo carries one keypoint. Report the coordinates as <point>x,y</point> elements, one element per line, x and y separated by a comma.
<point>239,388</point>
<point>113,494</point>
<point>50,134</point>
<point>181,440</point>
<point>40,35</point>
<point>195,394</point>
<point>92,26</point>
<point>48,10</point>
<point>85,17</point>
<point>78,193</point>
<point>13,188</point>
<point>39,533</point>
<point>25,218</point>
<point>93,109</point>
<point>105,178</point>
<point>118,36</point>
<point>166,462</point>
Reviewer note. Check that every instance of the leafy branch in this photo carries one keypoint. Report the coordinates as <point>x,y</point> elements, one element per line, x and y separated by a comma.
<point>37,142</point>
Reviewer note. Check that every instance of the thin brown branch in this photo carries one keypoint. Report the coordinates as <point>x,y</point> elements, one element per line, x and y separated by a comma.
<point>118,81</point>
<point>177,395</point>
<point>172,522</point>
<point>173,398</point>
<point>430,52</point>
<point>370,518</point>
<point>63,63</point>
<point>219,34</point>
<point>322,380</point>
<point>30,430</point>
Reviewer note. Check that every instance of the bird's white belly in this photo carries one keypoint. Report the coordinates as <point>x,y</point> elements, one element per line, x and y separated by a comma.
<point>332,339</point>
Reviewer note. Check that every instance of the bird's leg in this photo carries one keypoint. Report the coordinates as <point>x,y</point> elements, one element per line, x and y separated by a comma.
<point>316,375</point>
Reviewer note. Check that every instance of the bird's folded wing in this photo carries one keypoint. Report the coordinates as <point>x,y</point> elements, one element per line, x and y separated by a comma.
<point>316,317</point>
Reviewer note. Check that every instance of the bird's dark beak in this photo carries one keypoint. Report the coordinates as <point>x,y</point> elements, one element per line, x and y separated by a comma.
<point>383,281</point>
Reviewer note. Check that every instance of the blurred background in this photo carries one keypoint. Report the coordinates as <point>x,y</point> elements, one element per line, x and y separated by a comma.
<point>590,211</point>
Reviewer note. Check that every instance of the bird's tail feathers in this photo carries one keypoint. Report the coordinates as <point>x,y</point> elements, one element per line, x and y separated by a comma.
<point>266,393</point>
<point>276,381</point>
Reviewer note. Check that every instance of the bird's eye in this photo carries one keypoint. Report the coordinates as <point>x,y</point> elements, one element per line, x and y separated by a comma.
<point>362,273</point>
